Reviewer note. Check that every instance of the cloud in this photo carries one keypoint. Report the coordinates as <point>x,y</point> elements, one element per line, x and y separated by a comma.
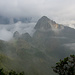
<point>18,8</point>
<point>58,10</point>
<point>5,35</point>
<point>6,31</point>
<point>24,28</point>
<point>71,46</point>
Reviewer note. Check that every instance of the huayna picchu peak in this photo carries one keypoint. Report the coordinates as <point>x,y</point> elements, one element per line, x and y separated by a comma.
<point>44,23</point>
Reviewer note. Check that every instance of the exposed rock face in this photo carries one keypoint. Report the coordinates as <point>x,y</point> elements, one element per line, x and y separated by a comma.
<point>44,28</point>
<point>43,23</point>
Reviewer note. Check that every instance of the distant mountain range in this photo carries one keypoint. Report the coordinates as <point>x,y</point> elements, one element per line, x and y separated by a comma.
<point>7,20</point>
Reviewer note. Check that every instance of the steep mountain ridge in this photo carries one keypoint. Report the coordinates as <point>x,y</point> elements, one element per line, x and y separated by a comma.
<point>46,24</point>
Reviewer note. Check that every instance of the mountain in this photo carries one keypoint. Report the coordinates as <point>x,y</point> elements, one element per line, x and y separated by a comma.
<point>16,35</point>
<point>45,23</point>
<point>35,55</point>
<point>26,37</point>
<point>51,37</point>
<point>52,28</point>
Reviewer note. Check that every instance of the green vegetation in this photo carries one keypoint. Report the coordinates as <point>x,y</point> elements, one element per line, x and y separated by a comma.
<point>10,73</point>
<point>35,57</point>
<point>66,66</point>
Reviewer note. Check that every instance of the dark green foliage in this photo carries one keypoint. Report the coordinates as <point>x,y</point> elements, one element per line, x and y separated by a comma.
<point>66,66</point>
<point>10,73</point>
<point>14,73</point>
<point>1,72</point>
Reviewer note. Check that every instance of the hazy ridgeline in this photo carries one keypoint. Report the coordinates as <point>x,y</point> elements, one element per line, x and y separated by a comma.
<point>35,48</point>
<point>6,31</point>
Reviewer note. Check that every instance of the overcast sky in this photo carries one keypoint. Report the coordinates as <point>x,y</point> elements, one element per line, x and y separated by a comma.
<point>58,10</point>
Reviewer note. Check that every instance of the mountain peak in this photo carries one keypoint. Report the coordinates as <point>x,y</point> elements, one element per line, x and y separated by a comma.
<point>16,34</point>
<point>44,23</point>
<point>44,18</point>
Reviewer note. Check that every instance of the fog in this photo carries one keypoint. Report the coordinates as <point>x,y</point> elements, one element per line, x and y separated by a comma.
<point>6,31</point>
<point>71,46</point>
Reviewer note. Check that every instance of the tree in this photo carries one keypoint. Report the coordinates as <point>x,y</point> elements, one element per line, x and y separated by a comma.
<point>10,72</point>
<point>14,73</point>
<point>66,66</point>
<point>1,72</point>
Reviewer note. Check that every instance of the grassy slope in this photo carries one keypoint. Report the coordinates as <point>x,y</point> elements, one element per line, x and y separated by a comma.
<point>21,55</point>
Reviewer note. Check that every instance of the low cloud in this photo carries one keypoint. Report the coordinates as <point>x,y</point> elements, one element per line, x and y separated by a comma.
<point>6,31</point>
<point>71,46</point>
<point>5,34</point>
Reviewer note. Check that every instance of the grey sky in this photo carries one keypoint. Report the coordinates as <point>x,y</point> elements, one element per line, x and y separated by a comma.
<point>58,10</point>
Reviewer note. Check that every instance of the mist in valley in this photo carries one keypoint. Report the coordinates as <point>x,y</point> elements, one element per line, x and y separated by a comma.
<point>7,31</point>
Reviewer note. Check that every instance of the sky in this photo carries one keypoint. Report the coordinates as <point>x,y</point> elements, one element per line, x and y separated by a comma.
<point>62,11</point>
